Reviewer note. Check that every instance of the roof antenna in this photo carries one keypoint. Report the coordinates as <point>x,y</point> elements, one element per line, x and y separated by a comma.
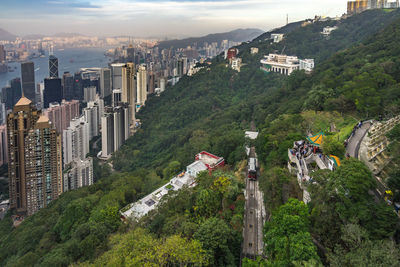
<point>287,19</point>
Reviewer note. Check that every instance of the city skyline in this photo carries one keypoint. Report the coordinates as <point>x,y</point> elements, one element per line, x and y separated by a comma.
<point>156,18</point>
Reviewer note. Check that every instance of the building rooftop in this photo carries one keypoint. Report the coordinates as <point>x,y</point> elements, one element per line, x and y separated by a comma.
<point>198,166</point>
<point>210,160</point>
<point>43,122</point>
<point>145,205</point>
<point>251,135</point>
<point>23,101</point>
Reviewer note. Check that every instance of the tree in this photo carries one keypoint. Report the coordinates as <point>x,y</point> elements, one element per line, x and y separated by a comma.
<point>139,248</point>
<point>317,96</point>
<point>358,250</point>
<point>345,196</point>
<point>172,169</point>
<point>214,235</point>
<point>332,146</point>
<point>286,236</point>
<point>207,203</point>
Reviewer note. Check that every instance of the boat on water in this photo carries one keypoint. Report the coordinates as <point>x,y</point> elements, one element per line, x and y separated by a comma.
<point>61,49</point>
<point>37,69</point>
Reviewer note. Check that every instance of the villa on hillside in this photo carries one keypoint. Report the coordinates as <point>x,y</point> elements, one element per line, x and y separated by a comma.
<point>203,161</point>
<point>285,65</point>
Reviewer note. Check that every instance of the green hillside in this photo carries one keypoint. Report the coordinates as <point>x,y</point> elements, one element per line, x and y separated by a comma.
<point>357,76</point>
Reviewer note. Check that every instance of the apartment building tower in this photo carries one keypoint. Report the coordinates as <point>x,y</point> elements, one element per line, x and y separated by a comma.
<point>34,152</point>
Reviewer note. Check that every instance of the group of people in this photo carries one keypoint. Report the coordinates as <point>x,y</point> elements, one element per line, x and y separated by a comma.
<point>304,149</point>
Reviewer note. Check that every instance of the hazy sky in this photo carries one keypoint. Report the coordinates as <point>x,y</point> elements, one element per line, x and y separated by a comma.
<point>156,17</point>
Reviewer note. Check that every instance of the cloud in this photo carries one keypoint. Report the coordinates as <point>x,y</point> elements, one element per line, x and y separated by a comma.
<point>158,17</point>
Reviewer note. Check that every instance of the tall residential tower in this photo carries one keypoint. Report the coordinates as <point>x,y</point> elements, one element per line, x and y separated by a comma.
<point>34,151</point>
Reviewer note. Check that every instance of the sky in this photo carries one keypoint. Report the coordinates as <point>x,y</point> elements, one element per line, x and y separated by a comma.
<point>156,18</point>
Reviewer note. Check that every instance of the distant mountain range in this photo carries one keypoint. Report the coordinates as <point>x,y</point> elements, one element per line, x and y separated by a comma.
<point>6,36</point>
<point>239,35</point>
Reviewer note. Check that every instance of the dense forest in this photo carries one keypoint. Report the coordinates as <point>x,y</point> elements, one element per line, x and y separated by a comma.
<point>357,77</point>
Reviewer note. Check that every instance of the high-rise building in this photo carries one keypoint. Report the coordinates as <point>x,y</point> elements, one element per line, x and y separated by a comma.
<point>116,97</point>
<point>116,72</point>
<point>89,94</point>
<point>2,54</point>
<point>162,84</point>
<point>93,113</point>
<point>128,94</point>
<point>107,135</point>
<point>105,82</point>
<point>28,80</point>
<point>34,152</point>
<point>62,114</point>
<point>68,86</point>
<point>52,91</point>
<point>78,86</point>
<point>179,67</point>
<point>79,173</point>
<point>114,129</point>
<point>53,66</point>
<point>3,113</point>
<point>141,85</point>
<point>12,93</point>
<point>39,95</point>
<point>152,83</point>
<point>76,140</point>
<point>130,51</point>
<point>3,145</point>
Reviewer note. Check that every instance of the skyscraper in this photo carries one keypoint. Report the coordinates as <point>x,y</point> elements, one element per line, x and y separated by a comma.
<point>76,140</point>
<point>62,114</point>
<point>52,91</point>
<point>68,86</point>
<point>28,80</point>
<point>152,83</point>
<point>93,113</point>
<point>129,89</point>
<point>2,54</point>
<point>3,145</point>
<point>114,129</point>
<point>105,82</point>
<point>89,94</point>
<point>53,66</point>
<point>78,86</point>
<point>12,93</point>
<point>116,72</point>
<point>130,51</point>
<point>78,174</point>
<point>34,151</point>
<point>141,85</point>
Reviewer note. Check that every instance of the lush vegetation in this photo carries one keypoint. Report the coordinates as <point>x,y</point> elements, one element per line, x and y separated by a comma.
<point>210,111</point>
<point>199,226</point>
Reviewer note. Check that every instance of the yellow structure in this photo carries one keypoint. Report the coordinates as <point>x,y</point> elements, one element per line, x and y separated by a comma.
<point>316,139</point>
<point>355,7</point>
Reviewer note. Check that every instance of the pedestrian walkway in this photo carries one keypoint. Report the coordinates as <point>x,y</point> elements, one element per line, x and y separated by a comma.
<point>354,142</point>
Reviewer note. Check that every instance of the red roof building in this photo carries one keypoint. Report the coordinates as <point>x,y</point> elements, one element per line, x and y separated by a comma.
<point>211,161</point>
<point>232,53</point>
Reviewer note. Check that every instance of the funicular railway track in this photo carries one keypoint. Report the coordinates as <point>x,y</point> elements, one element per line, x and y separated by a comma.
<point>253,222</point>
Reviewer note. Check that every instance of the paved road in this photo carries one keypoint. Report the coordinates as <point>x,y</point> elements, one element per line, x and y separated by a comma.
<point>353,146</point>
